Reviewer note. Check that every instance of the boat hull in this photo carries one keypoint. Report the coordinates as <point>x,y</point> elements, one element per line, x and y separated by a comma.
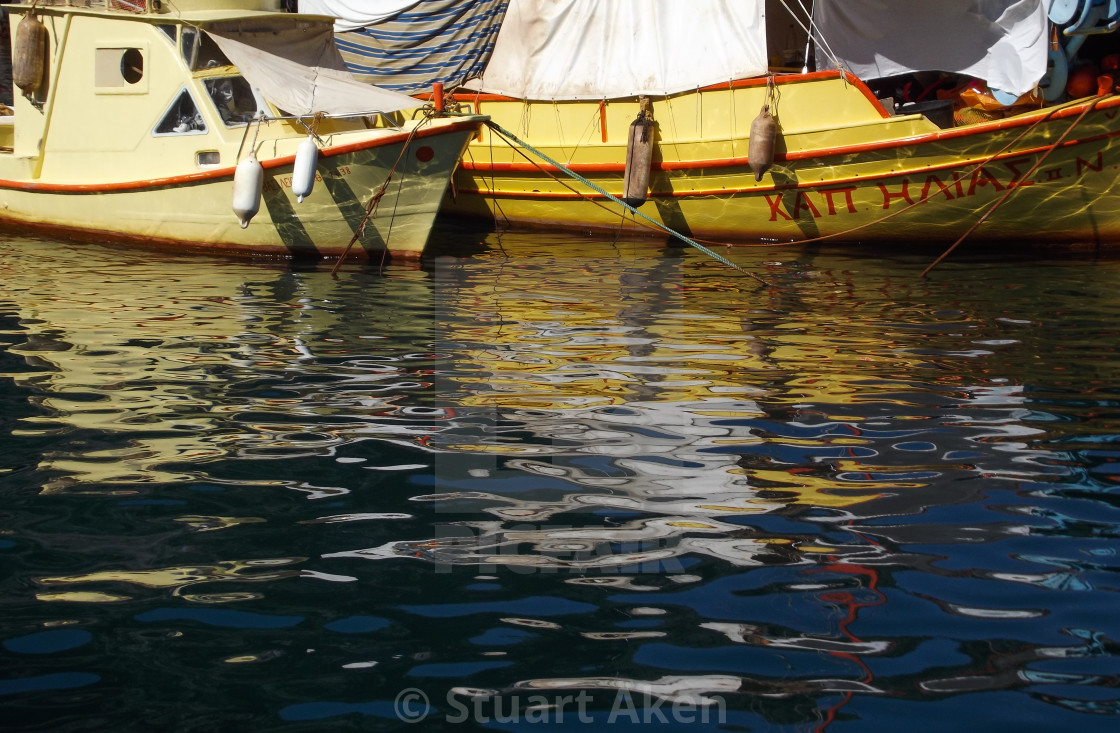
<point>194,212</point>
<point>844,171</point>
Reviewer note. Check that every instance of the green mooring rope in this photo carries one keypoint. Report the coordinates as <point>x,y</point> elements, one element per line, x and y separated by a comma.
<point>567,171</point>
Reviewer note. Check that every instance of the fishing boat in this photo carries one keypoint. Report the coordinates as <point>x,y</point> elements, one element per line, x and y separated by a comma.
<point>224,126</point>
<point>770,121</point>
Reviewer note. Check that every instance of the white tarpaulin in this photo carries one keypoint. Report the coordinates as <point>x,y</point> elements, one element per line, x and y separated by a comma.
<point>1003,42</point>
<point>595,49</point>
<point>353,14</point>
<point>299,69</point>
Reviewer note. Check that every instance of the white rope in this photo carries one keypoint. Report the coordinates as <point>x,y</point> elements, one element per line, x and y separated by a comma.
<point>809,31</point>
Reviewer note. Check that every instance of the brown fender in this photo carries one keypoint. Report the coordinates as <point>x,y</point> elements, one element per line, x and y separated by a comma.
<point>639,156</point>
<point>28,57</point>
<point>760,148</point>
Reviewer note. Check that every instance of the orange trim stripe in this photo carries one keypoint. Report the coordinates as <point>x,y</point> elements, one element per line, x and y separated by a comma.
<point>932,137</point>
<point>227,171</point>
<point>810,185</point>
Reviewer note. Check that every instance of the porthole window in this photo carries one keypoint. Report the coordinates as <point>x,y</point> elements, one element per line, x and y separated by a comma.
<point>119,70</point>
<point>132,65</point>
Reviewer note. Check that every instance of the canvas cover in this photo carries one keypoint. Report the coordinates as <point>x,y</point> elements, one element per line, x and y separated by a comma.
<point>353,14</point>
<point>595,49</point>
<point>408,47</point>
<point>299,69</point>
<point>1004,42</point>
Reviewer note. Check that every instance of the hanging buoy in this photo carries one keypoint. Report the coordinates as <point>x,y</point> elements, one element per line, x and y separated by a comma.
<point>1082,80</point>
<point>248,180</point>
<point>639,156</point>
<point>303,170</point>
<point>29,54</point>
<point>760,147</point>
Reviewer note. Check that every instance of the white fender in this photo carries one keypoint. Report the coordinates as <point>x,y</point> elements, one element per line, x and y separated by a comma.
<point>247,182</point>
<point>303,170</point>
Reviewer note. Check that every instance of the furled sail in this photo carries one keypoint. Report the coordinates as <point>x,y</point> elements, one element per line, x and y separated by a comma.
<point>595,49</point>
<point>1003,42</point>
<point>299,69</point>
<point>407,45</point>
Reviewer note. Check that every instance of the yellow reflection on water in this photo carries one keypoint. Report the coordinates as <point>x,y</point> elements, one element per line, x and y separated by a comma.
<point>642,383</point>
<point>82,597</point>
<point>178,578</point>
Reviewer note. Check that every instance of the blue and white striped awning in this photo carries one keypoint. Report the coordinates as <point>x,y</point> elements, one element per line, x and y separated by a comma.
<point>428,41</point>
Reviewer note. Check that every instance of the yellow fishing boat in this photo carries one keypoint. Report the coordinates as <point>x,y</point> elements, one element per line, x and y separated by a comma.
<point>218,125</point>
<point>723,121</point>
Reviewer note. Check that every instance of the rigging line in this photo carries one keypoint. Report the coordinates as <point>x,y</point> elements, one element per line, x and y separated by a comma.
<point>494,181</point>
<point>371,205</point>
<point>241,147</point>
<point>392,220</point>
<point>824,42</point>
<point>493,176</point>
<point>618,231</point>
<point>809,39</point>
<point>260,119</point>
<point>731,105</point>
<point>672,123</point>
<point>819,36</point>
<point>585,136</point>
<point>563,183</point>
<point>699,113</point>
<point>567,171</point>
<point>1012,189</point>
<point>560,131</point>
<point>653,226</point>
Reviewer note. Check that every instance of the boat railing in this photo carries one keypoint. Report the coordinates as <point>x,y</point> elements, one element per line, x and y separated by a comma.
<point>145,7</point>
<point>123,6</point>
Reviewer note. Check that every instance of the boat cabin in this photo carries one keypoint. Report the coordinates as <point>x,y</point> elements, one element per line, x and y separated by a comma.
<point>159,87</point>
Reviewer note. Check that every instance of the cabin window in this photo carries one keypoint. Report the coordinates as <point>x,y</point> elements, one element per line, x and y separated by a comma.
<point>234,99</point>
<point>181,118</point>
<point>169,31</point>
<point>199,50</point>
<point>208,158</point>
<point>119,70</point>
<point>188,45</point>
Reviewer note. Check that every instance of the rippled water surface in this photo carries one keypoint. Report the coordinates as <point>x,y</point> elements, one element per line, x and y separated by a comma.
<point>563,482</point>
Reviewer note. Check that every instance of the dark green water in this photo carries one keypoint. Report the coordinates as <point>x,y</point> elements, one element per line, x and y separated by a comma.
<point>563,484</point>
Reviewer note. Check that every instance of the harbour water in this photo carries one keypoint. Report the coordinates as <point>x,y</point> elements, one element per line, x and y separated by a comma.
<point>561,483</point>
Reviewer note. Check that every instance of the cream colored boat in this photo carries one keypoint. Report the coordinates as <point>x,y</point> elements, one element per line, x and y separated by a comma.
<point>133,128</point>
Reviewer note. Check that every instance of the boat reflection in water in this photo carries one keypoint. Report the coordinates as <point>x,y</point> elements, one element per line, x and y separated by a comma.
<point>575,472</point>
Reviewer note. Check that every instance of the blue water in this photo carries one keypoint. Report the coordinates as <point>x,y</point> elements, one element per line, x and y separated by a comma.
<point>559,483</point>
